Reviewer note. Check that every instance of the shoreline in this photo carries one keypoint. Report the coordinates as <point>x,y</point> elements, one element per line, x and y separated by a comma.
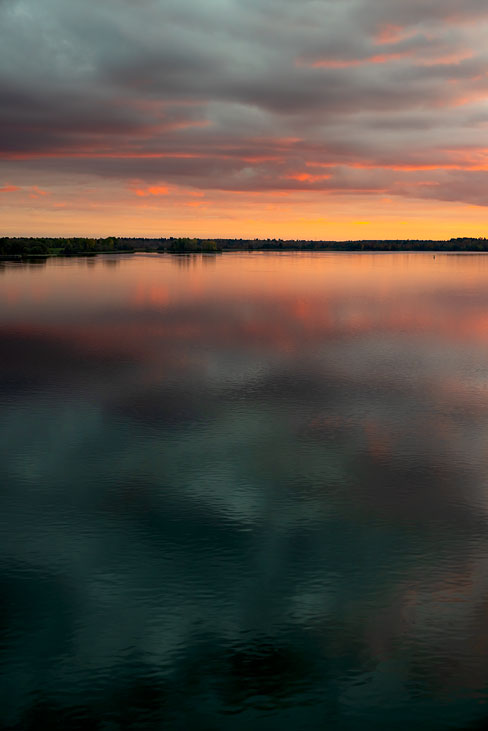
<point>440,248</point>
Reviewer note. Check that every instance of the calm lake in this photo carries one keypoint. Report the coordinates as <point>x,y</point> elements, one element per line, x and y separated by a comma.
<point>244,491</point>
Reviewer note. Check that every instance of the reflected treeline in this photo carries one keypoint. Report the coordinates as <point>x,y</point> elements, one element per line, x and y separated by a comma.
<point>23,262</point>
<point>193,259</point>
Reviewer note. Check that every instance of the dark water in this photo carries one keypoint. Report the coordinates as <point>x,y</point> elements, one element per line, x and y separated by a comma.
<point>244,492</point>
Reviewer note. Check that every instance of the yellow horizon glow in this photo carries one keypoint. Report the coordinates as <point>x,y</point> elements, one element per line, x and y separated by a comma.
<point>229,215</point>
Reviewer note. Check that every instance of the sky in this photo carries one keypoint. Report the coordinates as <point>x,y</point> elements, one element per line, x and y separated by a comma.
<point>320,119</point>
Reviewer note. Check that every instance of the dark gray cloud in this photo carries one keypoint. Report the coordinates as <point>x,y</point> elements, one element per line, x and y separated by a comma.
<point>246,96</point>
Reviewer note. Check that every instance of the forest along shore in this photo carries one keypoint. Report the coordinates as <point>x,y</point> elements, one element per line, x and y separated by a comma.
<point>34,247</point>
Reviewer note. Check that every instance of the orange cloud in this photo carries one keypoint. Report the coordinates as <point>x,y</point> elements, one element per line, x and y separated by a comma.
<point>454,58</point>
<point>36,192</point>
<point>345,63</point>
<point>261,158</point>
<point>307,177</point>
<point>152,190</point>
<point>450,59</point>
<point>470,159</point>
<point>391,34</point>
<point>472,97</point>
<point>9,189</point>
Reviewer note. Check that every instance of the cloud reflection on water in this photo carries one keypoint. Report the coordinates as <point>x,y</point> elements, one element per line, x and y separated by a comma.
<point>253,500</point>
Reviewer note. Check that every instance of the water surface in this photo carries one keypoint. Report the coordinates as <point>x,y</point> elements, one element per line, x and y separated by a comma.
<point>244,491</point>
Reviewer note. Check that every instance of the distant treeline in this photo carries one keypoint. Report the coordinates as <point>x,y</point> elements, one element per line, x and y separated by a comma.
<point>44,246</point>
<point>183,246</point>
<point>80,246</point>
<point>180,245</point>
<point>455,244</point>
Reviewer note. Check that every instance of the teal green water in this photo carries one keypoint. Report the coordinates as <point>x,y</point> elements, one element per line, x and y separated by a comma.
<point>245,491</point>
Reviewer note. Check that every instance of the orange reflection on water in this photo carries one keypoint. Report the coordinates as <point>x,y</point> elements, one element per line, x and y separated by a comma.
<point>267,295</point>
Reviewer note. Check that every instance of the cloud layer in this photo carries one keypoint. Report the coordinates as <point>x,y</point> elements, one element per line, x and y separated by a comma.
<point>367,98</point>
